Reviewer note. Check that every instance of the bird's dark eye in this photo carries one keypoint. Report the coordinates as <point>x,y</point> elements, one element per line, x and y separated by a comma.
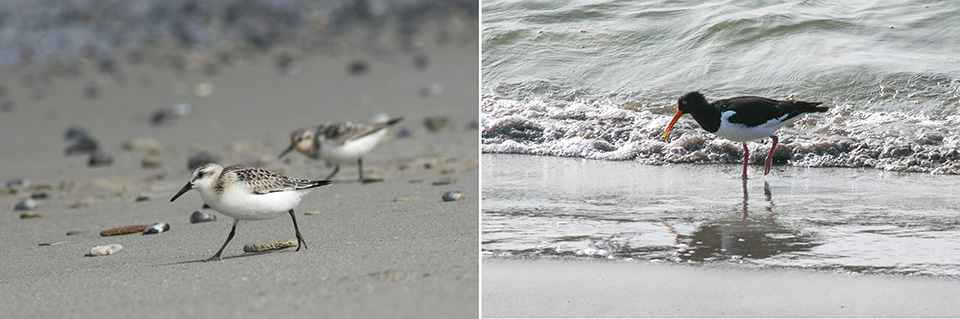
<point>684,102</point>
<point>199,174</point>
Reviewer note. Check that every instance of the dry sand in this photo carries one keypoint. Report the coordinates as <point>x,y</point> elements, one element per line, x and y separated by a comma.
<point>556,288</point>
<point>368,255</point>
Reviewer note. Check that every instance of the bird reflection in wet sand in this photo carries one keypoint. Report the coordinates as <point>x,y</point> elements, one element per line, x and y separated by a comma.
<point>741,236</point>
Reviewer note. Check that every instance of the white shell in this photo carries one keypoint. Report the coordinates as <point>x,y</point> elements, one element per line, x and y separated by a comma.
<point>105,250</point>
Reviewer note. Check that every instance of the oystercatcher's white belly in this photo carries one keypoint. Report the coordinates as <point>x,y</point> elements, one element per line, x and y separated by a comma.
<point>742,133</point>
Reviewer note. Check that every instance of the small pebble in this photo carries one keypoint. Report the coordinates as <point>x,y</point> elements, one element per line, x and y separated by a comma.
<point>26,204</point>
<point>312,213</point>
<point>200,158</point>
<point>92,92</point>
<point>435,89</point>
<point>18,183</point>
<point>151,162</point>
<point>268,246</point>
<point>372,178</point>
<point>202,216</point>
<point>436,124</point>
<point>424,62</point>
<point>141,144</point>
<point>287,64</point>
<point>156,228</point>
<point>404,132</point>
<point>357,67</point>
<point>162,117</point>
<point>6,106</point>
<point>30,214</point>
<point>407,198</point>
<point>39,195</point>
<point>99,158</point>
<point>142,198</point>
<point>78,232</point>
<point>84,145</point>
<point>54,244</point>
<point>75,131</point>
<point>124,230</point>
<point>445,181</point>
<point>204,89</point>
<point>379,118</point>
<point>182,109</point>
<point>452,196</point>
<point>105,250</point>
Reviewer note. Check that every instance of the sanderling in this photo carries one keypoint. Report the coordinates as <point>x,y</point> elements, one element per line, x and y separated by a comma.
<point>338,142</point>
<point>247,193</point>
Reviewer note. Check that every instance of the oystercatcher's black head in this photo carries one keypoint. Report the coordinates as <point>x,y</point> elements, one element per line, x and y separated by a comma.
<point>686,104</point>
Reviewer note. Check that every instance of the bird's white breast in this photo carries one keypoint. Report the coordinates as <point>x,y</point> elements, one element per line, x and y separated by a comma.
<point>240,203</point>
<point>742,133</point>
<point>352,149</point>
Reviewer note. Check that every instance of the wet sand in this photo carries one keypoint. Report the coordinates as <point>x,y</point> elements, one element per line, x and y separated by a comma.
<point>556,288</point>
<point>568,237</point>
<point>368,255</point>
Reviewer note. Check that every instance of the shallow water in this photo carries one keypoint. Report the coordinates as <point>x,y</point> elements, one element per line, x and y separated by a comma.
<point>600,80</point>
<point>844,220</point>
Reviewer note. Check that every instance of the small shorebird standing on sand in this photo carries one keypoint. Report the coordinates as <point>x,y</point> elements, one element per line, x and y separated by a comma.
<point>248,193</point>
<point>743,118</point>
<point>339,142</point>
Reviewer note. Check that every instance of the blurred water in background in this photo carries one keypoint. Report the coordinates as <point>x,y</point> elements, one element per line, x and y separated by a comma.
<point>600,80</point>
<point>49,31</point>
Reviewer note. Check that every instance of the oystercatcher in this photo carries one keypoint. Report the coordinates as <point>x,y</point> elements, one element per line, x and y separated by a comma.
<point>743,118</point>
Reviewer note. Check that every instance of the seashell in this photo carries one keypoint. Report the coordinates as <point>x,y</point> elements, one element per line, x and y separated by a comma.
<point>407,198</point>
<point>99,158</point>
<point>84,145</point>
<point>156,228</point>
<point>445,181</point>
<point>268,246</point>
<point>124,230</point>
<point>30,214</point>
<point>202,216</point>
<point>26,204</point>
<point>372,178</point>
<point>312,213</point>
<point>54,244</point>
<point>151,162</point>
<point>452,196</point>
<point>105,250</point>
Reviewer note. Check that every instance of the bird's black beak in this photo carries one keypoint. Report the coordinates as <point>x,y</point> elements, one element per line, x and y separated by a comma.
<point>185,188</point>
<point>287,150</point>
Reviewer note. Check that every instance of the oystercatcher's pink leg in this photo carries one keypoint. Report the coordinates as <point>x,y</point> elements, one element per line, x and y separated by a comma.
<point>746,155</point>
<point>769,161</point>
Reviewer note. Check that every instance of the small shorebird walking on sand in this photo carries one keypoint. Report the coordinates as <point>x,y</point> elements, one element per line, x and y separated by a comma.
<point>743,118</point>
<point>247,193</point>
<point>339,142</point>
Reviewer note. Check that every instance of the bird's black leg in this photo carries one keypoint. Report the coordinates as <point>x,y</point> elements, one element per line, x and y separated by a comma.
<point>336,168</point>
<point>360,165</point>
<point>229,237</point>
<point>297,229</point>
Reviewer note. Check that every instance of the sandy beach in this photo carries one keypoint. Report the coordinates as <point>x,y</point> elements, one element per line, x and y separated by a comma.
<point>370,254</point>
<point>557,288</point>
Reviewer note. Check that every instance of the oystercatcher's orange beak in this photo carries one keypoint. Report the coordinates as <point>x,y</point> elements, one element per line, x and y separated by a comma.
<point>675,118</point>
